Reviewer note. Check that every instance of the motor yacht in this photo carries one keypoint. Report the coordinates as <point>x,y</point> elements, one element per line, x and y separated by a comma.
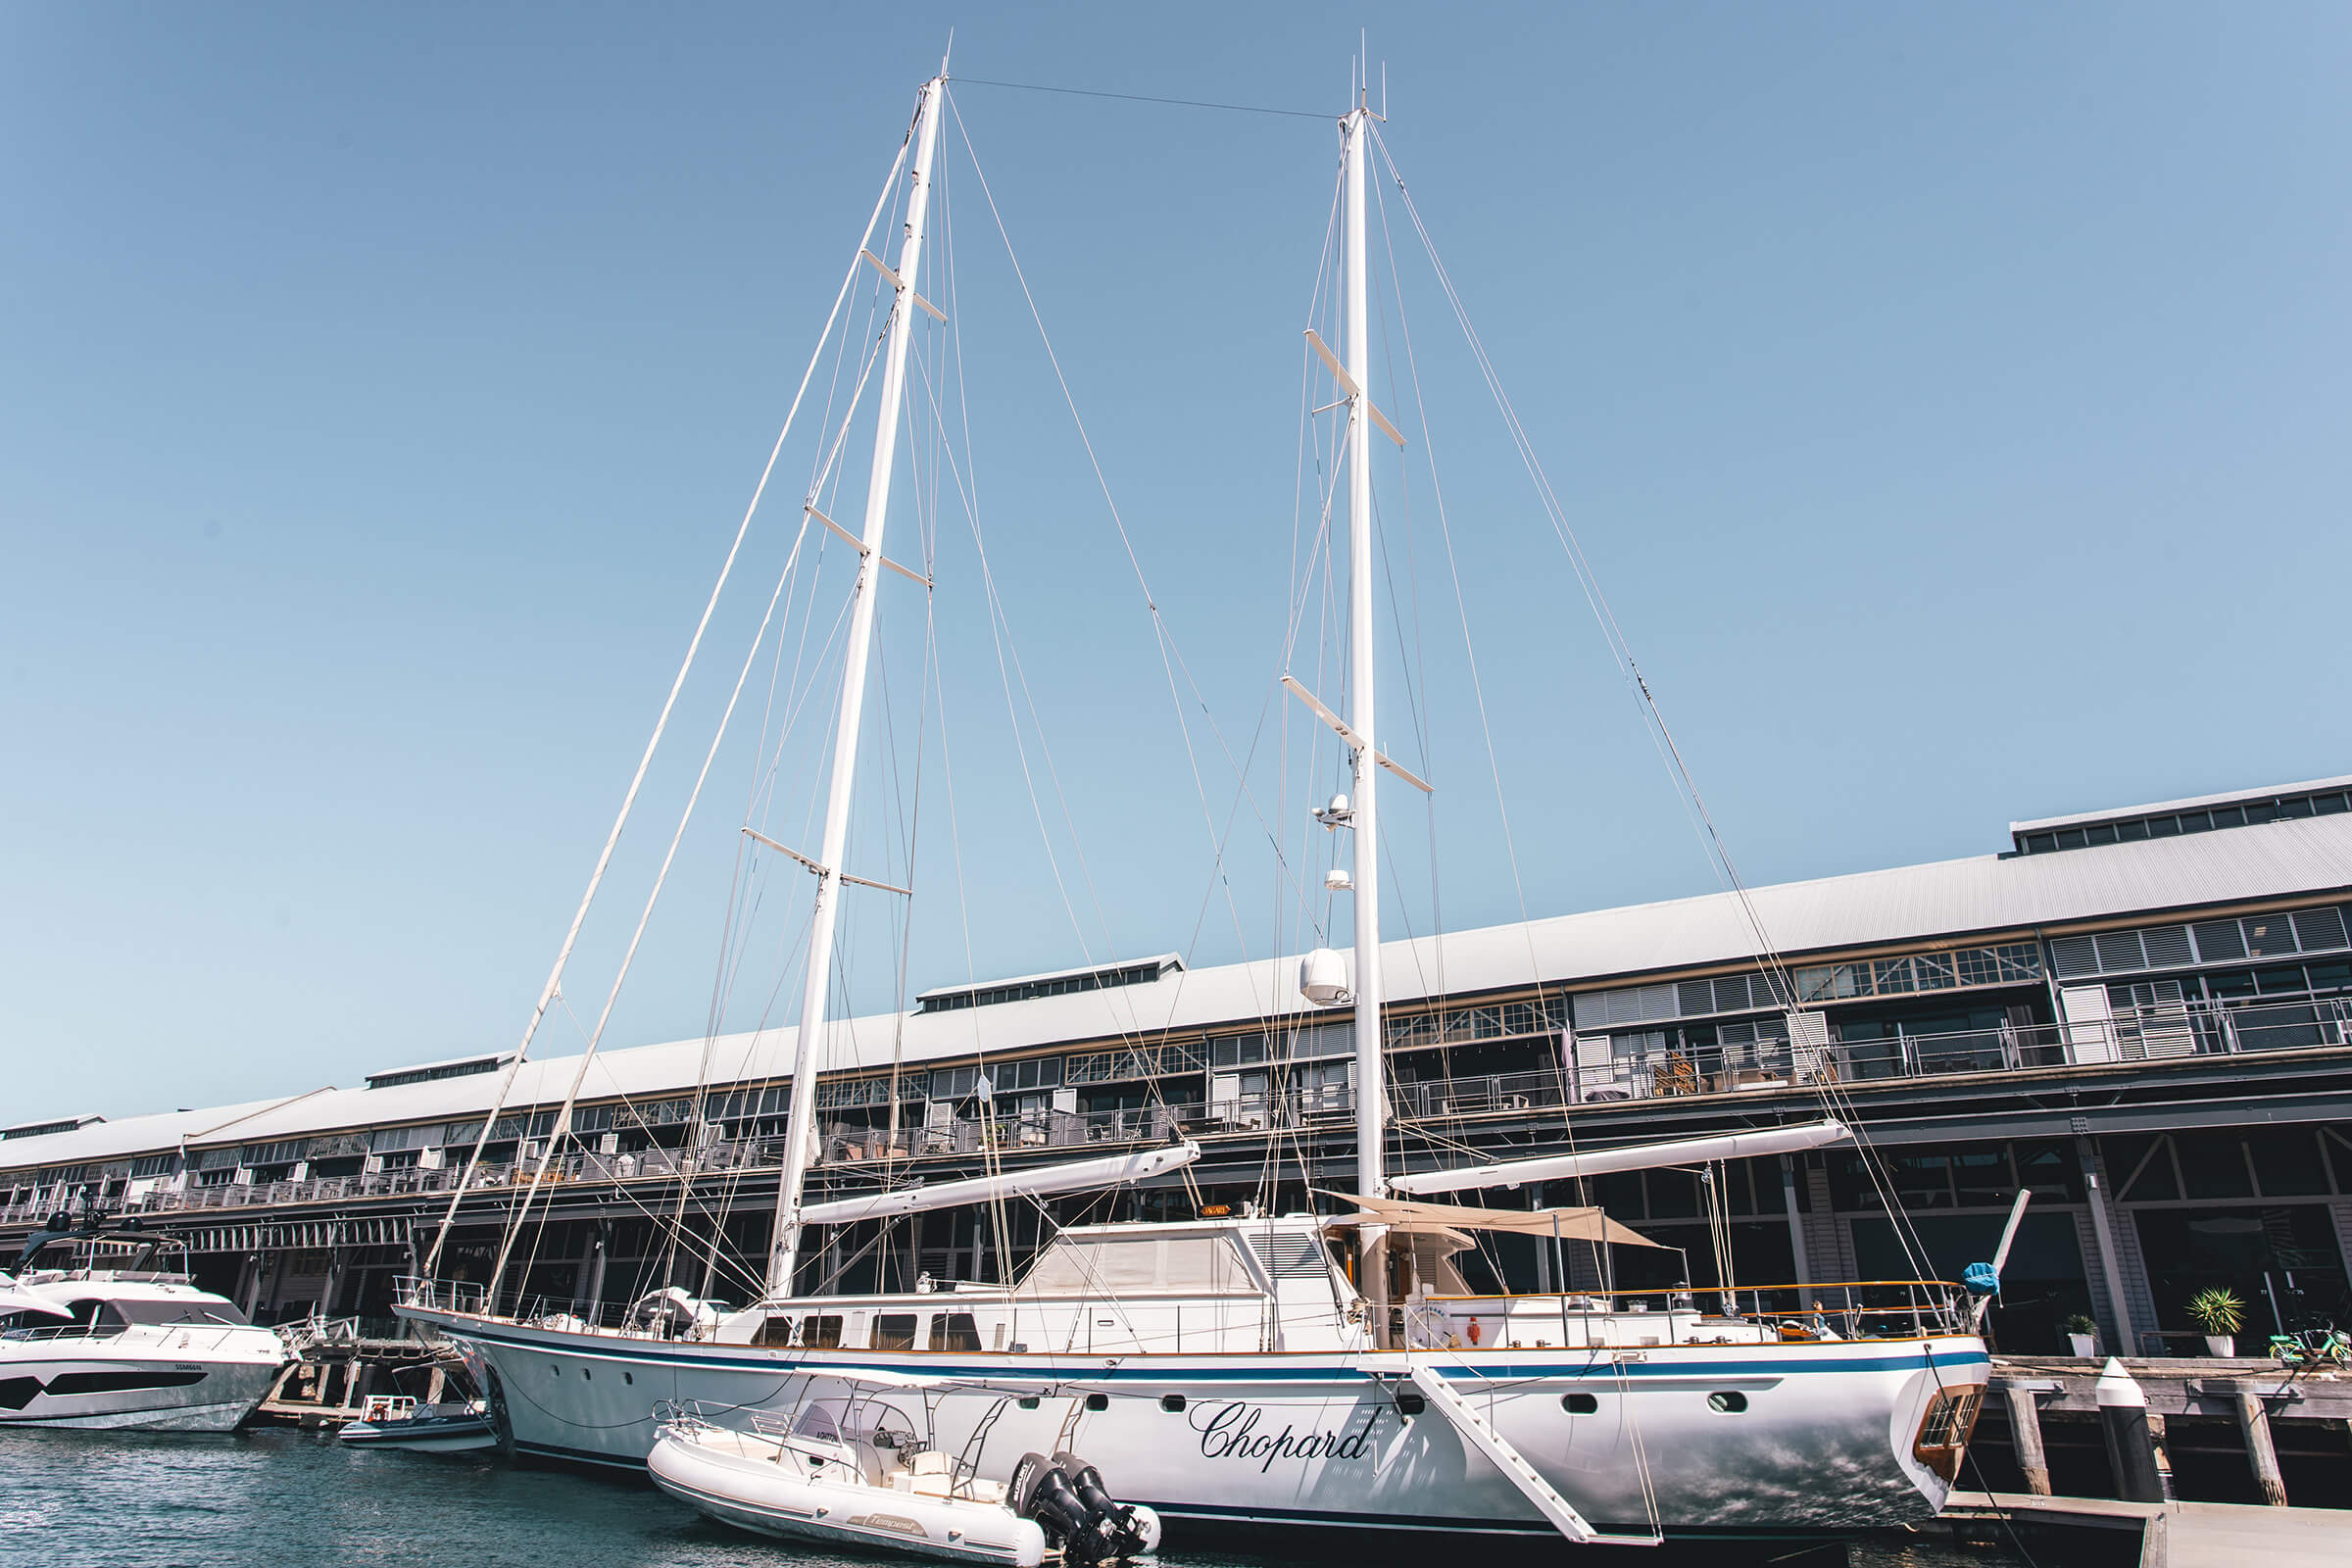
<point>122,1338</point>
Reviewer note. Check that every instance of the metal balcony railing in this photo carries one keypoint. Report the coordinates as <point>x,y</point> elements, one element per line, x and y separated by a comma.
<point>2132,1034</point>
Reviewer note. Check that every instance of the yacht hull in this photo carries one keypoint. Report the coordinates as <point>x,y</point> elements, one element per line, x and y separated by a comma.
<point>127,1391</point>
<point>1750,1439</point>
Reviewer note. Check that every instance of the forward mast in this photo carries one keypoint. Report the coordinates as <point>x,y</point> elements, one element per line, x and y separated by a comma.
<point>807,1048</point>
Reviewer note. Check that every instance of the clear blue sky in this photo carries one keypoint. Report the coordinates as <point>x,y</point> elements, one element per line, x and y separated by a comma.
<point>1955,400</point>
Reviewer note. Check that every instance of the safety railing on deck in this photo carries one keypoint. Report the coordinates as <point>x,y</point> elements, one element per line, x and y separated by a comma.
<point>1853,1309</point>
<point>646,1317</point>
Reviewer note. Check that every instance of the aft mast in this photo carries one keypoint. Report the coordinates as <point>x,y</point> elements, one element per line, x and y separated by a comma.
<point>1371,1088</point>
<point>807,1053</point>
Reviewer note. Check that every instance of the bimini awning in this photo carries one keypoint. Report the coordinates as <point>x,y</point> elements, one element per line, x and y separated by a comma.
<point>1568,1224</point>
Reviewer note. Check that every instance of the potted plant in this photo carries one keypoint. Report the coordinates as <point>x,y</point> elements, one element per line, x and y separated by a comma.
<point>2083,1335</point>
<point>2221,1315</point>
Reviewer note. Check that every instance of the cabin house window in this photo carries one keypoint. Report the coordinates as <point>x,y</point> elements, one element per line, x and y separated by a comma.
<point>954,1331</point>
<point>894,1331</point>
<point>822,1332</point>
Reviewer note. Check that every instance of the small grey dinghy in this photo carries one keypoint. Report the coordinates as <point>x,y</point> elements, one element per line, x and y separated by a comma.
<point>396,1421</point>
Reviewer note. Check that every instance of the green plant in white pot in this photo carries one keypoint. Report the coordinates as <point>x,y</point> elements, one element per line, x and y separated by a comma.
<point>2083,1335</point>
<point>2221,1315</point>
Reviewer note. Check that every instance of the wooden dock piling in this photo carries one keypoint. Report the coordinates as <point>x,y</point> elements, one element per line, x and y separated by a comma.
<point>2049,1408</point>
<point>2254,1421</point>
<point>2025,1429</point>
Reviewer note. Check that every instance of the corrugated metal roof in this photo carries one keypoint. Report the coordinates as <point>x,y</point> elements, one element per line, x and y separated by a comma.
<point>1987,894</point>
<point>128,1135</point>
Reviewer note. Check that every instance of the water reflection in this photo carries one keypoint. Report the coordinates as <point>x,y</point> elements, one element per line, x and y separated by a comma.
<point>277,1496</point>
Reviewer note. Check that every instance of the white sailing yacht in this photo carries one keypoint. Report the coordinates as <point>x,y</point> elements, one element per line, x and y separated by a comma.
<point>1321,1371</point>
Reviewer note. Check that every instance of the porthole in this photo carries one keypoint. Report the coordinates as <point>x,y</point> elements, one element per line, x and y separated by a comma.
<point>1410,1404</point>
<point>1098,1401</point>
<point>629,1378</point>
<point>1579,1403</point>
<point>1171,1402</point>
<point>1729,1400</point>
<point>1029,1401</point>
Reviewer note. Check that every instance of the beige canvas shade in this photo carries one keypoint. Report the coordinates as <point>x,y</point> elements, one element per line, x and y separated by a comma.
<point>1572,1224</point>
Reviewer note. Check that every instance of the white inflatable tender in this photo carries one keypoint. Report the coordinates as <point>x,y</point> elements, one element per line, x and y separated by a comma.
<point>861,1470</point>
<point>814,1484</point>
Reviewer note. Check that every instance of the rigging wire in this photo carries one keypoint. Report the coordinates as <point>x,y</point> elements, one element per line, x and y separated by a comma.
<point>562,1124</point>
<point>1469,649</point>
<point>994,1162</point>
<point>1827,1089</point>
<point>1143,98</point>
<point>1171,656</point>
<point>652,744</point>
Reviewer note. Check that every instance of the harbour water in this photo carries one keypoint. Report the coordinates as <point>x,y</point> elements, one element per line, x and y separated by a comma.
<point>286,1496</point>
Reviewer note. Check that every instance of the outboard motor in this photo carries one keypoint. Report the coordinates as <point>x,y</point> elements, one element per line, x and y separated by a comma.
<point>1117,1523</point>
<point>1039,1491</point>
<point>1066,1497</point>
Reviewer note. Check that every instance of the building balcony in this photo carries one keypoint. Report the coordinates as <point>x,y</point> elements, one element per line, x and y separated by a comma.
<point>1714,1076</point>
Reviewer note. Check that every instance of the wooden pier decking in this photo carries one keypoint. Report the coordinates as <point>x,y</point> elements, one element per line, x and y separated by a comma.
<point>2174,1535</point>
<point>334,1370</point>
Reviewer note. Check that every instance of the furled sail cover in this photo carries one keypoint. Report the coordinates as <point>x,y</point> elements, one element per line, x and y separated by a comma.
<point>1634,1157</point>
<point>1568,1224</point>
<point>1076,1177</point>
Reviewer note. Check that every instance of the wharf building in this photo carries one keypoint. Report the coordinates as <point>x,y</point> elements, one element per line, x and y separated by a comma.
<point>2141,1015</point>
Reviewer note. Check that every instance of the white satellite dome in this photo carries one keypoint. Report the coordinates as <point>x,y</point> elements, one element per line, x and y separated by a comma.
<point>1323,977</point>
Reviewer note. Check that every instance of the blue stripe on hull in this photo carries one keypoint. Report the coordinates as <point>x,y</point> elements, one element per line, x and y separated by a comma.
<point>1265,1367</point>
<point>603,1461</point>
